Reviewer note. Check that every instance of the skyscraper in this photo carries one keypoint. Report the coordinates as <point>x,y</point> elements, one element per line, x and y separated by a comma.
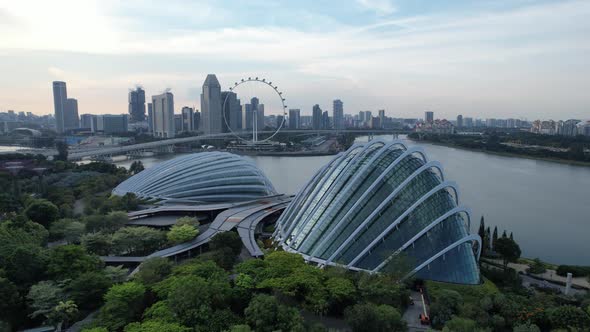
<point>247,117</point>
<point>381,118</point>
<point>459,121</point>
<point>187,119</point>
<point>429,117</point>
<point>317,117</point>
<point>232,111</point>
<point>137,104</point>
<point>163,115</point>
<point>368,118</point>
<point>294,119</point>
<point>211,116</point>
<point>338,114</point>
<point>60,95</point>
<point>71,119</point>
<point>325,120</point>
<point>150,118</point>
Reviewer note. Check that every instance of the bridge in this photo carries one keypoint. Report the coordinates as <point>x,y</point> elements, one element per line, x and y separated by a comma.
<point>245,217</point>
<point>167,144</point>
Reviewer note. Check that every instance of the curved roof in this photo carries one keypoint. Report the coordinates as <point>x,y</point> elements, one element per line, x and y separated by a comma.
<point>200,177</point>
<point>379,205</point>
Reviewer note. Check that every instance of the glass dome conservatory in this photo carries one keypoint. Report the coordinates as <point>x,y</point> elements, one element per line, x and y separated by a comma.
<point>379,202</point>
<point>200,177</point>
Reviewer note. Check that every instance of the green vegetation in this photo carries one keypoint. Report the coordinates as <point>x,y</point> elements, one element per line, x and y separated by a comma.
<point>508,142</point>
<point>62,281</point>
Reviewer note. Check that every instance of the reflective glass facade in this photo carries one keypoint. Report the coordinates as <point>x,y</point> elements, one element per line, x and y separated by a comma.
<point>200,177</point>
<point>377,203</point>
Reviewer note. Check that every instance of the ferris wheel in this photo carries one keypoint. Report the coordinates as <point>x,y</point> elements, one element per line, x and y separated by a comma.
<point>254,120</point>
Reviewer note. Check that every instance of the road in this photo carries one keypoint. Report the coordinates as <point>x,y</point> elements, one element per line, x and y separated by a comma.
<point>412,314</point>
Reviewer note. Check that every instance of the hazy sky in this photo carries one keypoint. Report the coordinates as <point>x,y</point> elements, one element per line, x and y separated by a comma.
<point>500,58</point>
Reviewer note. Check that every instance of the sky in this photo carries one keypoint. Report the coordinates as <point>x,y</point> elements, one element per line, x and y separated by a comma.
<point>487,59</point>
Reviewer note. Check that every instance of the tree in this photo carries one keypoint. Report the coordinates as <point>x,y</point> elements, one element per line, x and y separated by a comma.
<point>10,298</point>
<point>42,211</point>
<point>181,234</point>
<point>370,317</point>
<point>341,293</point>
<point>446,305</point>
<point>62,151</point>
<point>488,239</point>
<point>156,326</point>
<point>123,304</point>
<point>495,238</point>
<point>62,314</point>
<point>511,237</point>
<point>504,235</point>
<point>109,223</point>
<point>138,240</point>
<point>69,261</point>
<point>567,317</point>
<point>508,249</point>
<point>97,243</point>
<point>88,289</point>
<point>459,324</point>
<point>116,274</point>
<point>136,167</point>
<point>526,328</point>
<point>482,232</point>
<point>380,289</point>
<point>265,314</point>
<point>226,240</point>
<point>153,270</point>
<point>44,296</point>
<point>188,221</point>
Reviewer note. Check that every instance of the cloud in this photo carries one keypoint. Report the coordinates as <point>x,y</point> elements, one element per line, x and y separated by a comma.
<point>381,7</point>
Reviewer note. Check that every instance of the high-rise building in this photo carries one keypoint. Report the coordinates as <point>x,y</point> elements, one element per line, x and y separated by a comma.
<point>137,104</point>
<point>71,119</point>
<point>381,118</point>
<point>317,117</point>
<point>60,95</point>
<point>88,121</point>
<point>178,123</point>
<point>260,116</point>
<point>247,117</point>
<point>280,120</point>
<point>150,118</point>
<point>163,115</point>
<point>429,117</point>
<point>368,118</point>
<point>188,119</point>
<point>294,119</point>
<point>232,111</point>
<point>211,116</point>
<point>338,114</point>
<point>468,122</point>
<point>110,123</point>
<point>196,119</point>
<point>326,120</point>
<point>459,121</point>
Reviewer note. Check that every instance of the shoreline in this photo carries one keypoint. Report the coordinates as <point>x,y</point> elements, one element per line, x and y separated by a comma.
<point>508,154</point>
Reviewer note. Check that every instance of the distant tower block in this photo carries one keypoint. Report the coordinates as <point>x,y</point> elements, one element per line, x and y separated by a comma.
<point>568,284</point>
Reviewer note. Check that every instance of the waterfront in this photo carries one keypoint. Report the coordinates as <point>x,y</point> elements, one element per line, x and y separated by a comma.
<point>544,204</point>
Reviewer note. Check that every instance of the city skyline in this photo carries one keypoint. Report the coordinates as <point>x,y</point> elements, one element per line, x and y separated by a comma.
<point>488,59</point>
